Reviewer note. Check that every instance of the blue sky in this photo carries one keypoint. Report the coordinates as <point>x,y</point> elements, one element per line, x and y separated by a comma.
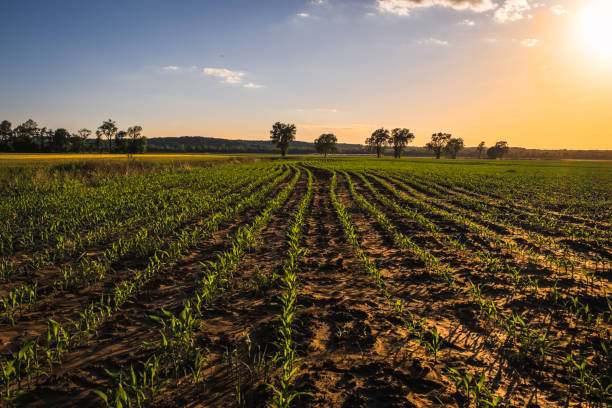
<point>474,68</point>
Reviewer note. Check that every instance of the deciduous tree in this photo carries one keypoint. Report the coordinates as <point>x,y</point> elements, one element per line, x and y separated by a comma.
<point>378,140</point>
<point>23,136</point>
<point>481,148</point>
<point>498,151</point>
<point>60,141</point>
<point>77,141</point>
<point>283,134</point>
<point>107,129</point>
<point>6,133</point>
<point>120,142</point>
<point>438,142</point>
<point>453,146</point>
<point>326,143</point>
<point>136,141</point>
<point>400,137</point>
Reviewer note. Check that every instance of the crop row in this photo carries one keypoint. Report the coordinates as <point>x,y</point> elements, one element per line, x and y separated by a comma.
<point>148,209</point>
<point>176,352</point>
<point>532,343</point>
<point>472,387</point>
<point>596,261</point>
<point>578,306</point>
<point>142,243</point>
<point>49,348</point>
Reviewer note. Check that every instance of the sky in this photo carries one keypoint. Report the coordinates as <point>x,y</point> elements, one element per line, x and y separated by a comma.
<point>536,73</point>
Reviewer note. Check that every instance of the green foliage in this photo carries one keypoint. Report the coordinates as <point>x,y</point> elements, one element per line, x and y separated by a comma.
<point>326,143</point>
<point>283,134</point>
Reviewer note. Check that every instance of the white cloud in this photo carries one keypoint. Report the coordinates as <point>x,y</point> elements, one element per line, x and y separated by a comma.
<point>559,10</point>
<point>171,68</point>
<point>228,76</point>
<point>469,23</point>
<point>433,41</point>
<point>530,42</point>
<point>303,15</point>
<point>511,10</point>
<point>404,7</point>
<point>252,85</point>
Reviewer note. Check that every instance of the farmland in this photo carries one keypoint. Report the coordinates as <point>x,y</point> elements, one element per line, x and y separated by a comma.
<point>244,281</point>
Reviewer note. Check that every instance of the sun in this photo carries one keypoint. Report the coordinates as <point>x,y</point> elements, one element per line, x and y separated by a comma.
<point>596,27</point>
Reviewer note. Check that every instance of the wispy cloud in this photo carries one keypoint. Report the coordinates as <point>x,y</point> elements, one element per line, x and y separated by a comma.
<point>511,10</point>
<point>559,10</point>
<point>433,41</point>
<point>171,68</point>
<point>252,85</point>
<point>228,76</point>
<point>303,15</point>
<point>404,7</point>
<point>468,22</point>
<point>530,42</point>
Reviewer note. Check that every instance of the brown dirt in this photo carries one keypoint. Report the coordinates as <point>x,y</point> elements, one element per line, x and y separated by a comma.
<point>354,350</point>
<point>119,342</point>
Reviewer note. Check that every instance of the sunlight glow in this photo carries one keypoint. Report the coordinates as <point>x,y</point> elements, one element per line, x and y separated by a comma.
<point>596,27</point>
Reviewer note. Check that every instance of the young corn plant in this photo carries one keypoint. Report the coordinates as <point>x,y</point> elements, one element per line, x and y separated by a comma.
<point>283,392</point>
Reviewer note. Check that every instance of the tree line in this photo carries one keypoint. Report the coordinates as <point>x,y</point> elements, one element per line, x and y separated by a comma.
<point>29,137</point>
<point>441,143</point>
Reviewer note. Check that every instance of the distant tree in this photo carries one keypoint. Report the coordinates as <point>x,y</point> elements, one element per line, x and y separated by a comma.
<point>77,140</point>
<point>481,148</point>
<point>378,140</point>
<point>60,141</point>
<point>108,129</point>
<point>283,134</point>
<point>136,142</point>
<point>502,148</point>
<point>400,137</point>
<point>23,136</point>
<point>120,142</point>
<point>137,146</point>
<point>326,143</point>
<point>438,142</point>
<point>43,139</point>
<point>6,133</point>
<point>453,146</point>
<point>98,142</point>
<point>498,151</point>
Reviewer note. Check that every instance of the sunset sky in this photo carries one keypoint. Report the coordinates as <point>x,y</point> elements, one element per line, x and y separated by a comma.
<point>536,73</point>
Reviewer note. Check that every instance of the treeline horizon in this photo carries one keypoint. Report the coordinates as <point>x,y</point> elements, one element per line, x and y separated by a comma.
<point>30,138</point>
<point>207,144</point>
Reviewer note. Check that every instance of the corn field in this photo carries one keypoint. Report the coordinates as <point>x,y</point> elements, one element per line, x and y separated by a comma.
<point>340,282</point>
